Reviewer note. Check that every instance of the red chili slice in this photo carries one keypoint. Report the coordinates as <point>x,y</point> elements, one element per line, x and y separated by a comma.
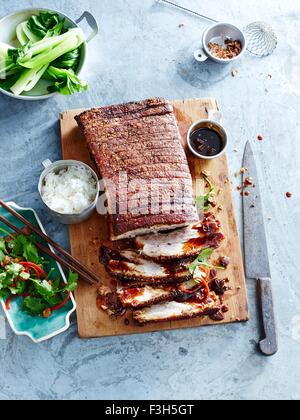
<point>36,271</point>
<point>36,268</point>
<point>56,308</point>
<point>198,286</point>
<point>206,290</point>
<point>9,300</point>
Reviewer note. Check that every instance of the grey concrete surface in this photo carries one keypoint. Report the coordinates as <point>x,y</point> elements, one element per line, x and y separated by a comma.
<point>143,51</point>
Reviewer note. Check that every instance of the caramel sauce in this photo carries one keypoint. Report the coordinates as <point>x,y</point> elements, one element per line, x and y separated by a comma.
<point>131,294</point>
<point>194,244</point>
<point>173,268</point>
<point>119,266</point>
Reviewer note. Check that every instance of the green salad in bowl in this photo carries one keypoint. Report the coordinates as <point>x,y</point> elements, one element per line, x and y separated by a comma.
<point>35,294</point>
<point>41,53</point>
<point>25,274</point>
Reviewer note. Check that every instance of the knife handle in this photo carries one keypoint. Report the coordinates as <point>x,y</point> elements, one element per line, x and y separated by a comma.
<point>268,346</point>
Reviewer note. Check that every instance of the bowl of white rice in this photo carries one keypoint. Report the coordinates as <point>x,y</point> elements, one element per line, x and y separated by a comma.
<point>69,189</point>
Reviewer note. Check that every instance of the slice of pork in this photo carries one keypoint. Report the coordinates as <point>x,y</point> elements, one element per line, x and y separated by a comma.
<point>141,297</point>
<point>176,311</point>
<point>182,243</point>
<point>134,270</point>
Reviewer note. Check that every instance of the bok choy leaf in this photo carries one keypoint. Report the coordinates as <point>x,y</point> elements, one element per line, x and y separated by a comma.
<point>66,82</point>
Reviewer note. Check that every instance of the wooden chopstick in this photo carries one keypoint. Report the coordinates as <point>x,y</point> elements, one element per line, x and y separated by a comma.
<point>83,275</point>
<point>50,241</point>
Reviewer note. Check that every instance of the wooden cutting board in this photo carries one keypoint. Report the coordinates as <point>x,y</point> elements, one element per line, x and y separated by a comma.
<point>87,237</point>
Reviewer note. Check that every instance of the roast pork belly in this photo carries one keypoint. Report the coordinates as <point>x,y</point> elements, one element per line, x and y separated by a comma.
<point>133,270</point>
<point>142,140</point>
<point>176,311</point>
<point>182,243</point>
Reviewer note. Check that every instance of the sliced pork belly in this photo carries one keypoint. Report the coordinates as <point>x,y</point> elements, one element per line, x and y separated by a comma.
<point>141,224</point>
<point>141,297</point>
<point>182,243</point>
<point>176,311</point>
<point>132,269</point>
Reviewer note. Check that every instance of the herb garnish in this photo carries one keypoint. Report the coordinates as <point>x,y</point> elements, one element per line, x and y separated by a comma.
<point>203,259</point>
<point>204,202</point>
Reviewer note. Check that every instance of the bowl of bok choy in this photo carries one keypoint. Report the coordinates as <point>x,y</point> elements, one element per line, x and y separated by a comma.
<point>43,53</point>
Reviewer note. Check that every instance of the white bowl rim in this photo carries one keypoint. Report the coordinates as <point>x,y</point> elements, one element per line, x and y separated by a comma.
<point>42,9</point>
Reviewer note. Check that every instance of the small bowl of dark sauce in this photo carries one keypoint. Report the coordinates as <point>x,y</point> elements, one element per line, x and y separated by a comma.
<point>207,139</point>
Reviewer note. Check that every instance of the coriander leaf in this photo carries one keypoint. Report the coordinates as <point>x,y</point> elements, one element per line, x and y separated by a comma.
<point>203,202</point>
<point>22,246</point>
<point>5,280</point>
<point>2,244</point>
<point>30,252</point>
<point>3,251</point>
<point>3,294</point>
<point>55,282</point>
<point>202,259</point>
<point>72,282</point>
<point>2,256</point>
<point>14,269</point>
<point>18,289</point>
<point>24,276</point>
<point>46,291</point>
<point>34,306</point>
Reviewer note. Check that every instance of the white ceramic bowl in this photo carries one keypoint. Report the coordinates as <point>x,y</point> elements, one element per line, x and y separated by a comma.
<point>8,26</point>
<point>219,33</point>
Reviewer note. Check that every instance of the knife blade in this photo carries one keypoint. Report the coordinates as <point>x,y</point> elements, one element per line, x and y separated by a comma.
<point>257,263</point>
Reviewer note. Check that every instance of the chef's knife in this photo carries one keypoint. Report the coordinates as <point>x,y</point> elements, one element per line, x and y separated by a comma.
<point>256,252</point>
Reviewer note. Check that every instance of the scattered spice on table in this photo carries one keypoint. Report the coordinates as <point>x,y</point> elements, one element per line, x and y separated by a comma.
<point>248,181</point>
<point>244,170</point>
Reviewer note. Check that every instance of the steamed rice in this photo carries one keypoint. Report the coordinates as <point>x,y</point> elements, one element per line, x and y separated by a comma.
<point>69,191</point>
